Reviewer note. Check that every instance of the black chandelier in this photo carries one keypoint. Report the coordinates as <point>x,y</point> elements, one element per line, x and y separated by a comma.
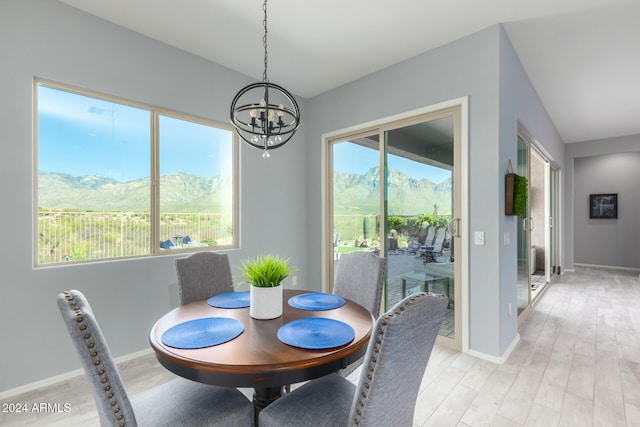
<point>264,114</point>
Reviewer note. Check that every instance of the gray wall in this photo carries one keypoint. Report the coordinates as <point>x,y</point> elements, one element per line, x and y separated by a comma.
<point>50,40</point>
<point>600,147</point>
<point>607,242</point>
<point>519,106</point>
<point>485,67</point>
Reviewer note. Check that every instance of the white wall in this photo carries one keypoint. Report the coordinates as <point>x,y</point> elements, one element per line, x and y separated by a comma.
<point>50,40</point>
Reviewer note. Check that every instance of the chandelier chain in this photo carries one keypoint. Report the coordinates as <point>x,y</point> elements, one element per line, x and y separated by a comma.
<point>264,41</point>
<point>265,115</point>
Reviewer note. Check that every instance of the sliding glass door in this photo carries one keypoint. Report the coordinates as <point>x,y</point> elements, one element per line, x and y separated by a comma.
<point>355,189</point>
<point>524,247</point>
<point>393,192</point>
<point>554,260</point>
<point>538,228</point>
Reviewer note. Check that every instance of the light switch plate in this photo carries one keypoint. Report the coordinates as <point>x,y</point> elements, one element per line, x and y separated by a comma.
<point>479,238</point>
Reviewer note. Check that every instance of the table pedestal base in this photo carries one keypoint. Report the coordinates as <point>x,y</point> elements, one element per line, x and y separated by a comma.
<point>263,397</point>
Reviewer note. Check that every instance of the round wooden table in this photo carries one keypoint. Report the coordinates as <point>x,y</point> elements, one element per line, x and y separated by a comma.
<point>257,358</point>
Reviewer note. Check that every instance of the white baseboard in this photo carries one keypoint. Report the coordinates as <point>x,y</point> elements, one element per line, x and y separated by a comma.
<point>67,376</point>
<point>500,360</point>
<point>610,267</point>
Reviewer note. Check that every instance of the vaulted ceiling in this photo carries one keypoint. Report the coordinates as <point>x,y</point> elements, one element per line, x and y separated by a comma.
<point>582,56</point>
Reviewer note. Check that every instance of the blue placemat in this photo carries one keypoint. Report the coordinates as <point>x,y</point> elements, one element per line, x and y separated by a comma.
<point>316,301</point>
<point>316,333</point>
<point>230,300</point>
<point>200,333</point>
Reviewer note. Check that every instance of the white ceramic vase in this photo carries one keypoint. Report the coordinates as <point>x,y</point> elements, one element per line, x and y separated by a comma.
<point>265,303</point>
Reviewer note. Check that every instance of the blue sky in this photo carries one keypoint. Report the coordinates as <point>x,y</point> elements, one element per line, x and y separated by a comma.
<point>81,135</point>
<point>354,158</point>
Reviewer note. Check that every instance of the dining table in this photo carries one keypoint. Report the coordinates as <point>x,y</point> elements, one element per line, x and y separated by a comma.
<point>265,355</point>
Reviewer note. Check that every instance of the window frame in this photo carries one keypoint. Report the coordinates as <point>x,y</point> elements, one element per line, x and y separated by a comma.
<point>154,188</point>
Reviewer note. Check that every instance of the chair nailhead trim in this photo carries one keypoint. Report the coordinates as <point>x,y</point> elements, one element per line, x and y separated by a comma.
<point>94,354</point>
<point>376,349</point>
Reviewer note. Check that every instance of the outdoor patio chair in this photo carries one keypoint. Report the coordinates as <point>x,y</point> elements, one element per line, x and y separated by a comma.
<point>430,253</point>
<point>427,239</point>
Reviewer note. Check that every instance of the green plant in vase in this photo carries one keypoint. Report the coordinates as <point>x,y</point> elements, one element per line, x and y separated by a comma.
<point>265,274</point>
<point>266,271</point>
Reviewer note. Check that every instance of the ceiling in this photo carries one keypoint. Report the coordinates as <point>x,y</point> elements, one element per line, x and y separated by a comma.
<point>583,56</point>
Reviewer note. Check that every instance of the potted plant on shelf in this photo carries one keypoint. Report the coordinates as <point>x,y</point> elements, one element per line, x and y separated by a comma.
<point>264,275</point>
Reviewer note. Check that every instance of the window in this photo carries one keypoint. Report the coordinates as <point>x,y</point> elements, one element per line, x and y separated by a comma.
<point>98,159</point>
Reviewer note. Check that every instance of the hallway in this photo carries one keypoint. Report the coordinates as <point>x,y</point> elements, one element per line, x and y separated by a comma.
<point>577,363</point>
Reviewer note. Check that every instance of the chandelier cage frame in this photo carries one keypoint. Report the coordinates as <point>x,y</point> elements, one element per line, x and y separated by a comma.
<point>255,121</point>
<point>264,114</point>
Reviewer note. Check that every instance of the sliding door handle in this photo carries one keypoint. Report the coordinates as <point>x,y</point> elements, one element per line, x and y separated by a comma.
<point>454,227</point>
<point>527,223</point>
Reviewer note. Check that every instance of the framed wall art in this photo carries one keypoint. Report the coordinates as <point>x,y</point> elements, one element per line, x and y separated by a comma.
<point>603,206</point>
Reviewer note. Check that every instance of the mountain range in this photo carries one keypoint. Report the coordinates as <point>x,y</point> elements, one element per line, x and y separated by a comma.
<point>184,192</point>
<point>180,192</point>
<point>360,193</point>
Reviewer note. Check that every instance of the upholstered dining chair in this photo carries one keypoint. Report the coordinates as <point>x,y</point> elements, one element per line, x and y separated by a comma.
<point>388,386</point>
<point>177,403</point>
<point>202,275</point>
<point>359,277</point>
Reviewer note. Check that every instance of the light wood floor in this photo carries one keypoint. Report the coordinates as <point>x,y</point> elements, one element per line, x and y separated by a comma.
<point>577,364</point>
